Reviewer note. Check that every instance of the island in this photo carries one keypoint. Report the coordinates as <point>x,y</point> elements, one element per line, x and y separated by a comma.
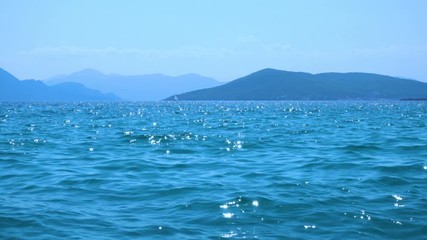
<point>272,84</point>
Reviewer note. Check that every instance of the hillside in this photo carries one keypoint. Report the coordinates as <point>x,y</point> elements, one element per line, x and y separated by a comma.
<point>271,84</point>
<point>14,90</point>
<point>150,87</point>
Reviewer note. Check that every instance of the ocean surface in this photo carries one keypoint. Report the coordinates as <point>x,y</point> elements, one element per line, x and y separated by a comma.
<point>213,170</point>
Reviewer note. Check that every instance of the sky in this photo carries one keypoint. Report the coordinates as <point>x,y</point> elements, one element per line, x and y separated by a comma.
<point>222,39</point>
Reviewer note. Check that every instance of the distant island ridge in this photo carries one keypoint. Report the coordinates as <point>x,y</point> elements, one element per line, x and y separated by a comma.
<point>266,84</point>
<point>15,90</point>
<point>92,85</point>
<point>272,84</point>
<point>147,87</point>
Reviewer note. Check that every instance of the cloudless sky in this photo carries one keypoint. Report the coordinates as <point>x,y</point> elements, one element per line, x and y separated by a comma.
<point>223,39</point>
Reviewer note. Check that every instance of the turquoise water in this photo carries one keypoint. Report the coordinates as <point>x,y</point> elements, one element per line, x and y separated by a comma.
<point>213,170</point>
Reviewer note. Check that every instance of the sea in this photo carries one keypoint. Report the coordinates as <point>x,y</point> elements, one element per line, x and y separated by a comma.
<point>214,170</point>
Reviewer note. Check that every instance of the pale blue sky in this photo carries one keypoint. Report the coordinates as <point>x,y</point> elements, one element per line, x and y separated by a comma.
<point>223,39</point>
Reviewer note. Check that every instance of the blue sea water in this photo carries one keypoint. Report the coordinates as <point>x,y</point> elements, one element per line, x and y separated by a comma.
<point>213,170</point>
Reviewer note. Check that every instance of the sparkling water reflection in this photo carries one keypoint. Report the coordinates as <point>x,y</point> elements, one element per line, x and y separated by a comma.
<point>197,170</point>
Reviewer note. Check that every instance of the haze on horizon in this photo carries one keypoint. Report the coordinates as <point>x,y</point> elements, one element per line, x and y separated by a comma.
<point>216,38</point>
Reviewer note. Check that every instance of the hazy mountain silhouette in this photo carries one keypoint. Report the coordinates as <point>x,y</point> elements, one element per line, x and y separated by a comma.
<point>271,84</point>
<point>14,90</point>
<point>148,87</point>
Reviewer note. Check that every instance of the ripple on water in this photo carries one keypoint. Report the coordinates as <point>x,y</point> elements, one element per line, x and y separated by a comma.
<point>200,170</point>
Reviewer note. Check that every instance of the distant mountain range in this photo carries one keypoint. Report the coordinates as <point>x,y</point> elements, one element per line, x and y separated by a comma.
<point>267,84</point>
<point>14,90</point>
<point>272,84</point>
<point>149,87</point>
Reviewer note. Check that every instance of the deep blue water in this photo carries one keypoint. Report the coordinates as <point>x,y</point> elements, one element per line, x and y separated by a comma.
<point>212,170</point>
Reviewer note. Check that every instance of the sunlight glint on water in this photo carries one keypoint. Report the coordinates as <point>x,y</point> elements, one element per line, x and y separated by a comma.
<point>197,170</point>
